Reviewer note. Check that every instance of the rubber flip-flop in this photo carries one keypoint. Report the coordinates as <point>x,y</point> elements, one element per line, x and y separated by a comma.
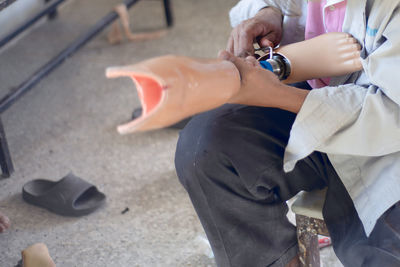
<point>70,196</point>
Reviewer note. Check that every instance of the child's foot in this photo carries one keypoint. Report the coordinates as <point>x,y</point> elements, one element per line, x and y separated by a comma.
<point>4,222</point>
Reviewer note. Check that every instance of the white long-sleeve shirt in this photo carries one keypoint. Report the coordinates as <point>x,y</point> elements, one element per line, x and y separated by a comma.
<point>356,119</point>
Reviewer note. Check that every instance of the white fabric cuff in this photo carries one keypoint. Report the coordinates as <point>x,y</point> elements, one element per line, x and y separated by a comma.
<point>244,10</point>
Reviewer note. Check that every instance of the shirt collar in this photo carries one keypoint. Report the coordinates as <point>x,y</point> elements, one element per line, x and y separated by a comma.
<point>332,2</point>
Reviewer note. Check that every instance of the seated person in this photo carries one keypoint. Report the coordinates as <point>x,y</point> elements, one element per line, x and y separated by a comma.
<point>241,162</point>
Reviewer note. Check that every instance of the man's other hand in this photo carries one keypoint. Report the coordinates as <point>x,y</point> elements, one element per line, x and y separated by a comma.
<point>260,87</point>
<point>265,28</point>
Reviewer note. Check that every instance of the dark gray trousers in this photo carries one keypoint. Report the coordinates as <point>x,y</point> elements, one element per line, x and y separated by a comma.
<point>230,162</point>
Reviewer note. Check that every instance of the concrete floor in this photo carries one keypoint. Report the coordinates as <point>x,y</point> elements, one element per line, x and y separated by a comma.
<point>67,124</point>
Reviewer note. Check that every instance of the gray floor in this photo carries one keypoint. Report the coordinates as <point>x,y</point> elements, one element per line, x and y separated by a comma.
<point>67,124</point>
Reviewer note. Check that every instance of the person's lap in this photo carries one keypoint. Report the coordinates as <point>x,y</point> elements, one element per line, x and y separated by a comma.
<point>230,162</point>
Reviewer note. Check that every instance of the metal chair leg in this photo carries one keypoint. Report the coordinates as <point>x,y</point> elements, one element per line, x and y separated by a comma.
<point>168,13</point>
<point>52,14</point>
<point>7,167</point>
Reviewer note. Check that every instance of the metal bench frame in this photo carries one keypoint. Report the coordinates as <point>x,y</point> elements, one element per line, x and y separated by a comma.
<point>7,101</point>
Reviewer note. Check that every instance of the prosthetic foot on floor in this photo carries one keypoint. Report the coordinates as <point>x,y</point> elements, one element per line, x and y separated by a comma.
<point>37,255</point>
<point>115,36</point>
<point>172,88</point>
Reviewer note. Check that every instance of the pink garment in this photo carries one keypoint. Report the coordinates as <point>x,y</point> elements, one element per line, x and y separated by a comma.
<point>334,18</point>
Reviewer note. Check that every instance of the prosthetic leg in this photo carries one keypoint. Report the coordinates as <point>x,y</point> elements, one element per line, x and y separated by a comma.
<point>171,88</point>
<point>327,55</point>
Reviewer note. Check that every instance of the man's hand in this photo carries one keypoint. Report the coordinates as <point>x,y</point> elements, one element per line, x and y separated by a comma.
<point>260,87</point>
<point>265,28</point>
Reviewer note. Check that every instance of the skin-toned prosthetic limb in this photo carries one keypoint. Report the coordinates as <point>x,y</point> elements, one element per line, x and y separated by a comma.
<point>171,88</point>
<point>37,255</point>
<point>327,55</point>
<point>115,35</point>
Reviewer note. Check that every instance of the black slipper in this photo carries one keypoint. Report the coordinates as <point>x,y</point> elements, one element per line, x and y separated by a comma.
<point>70,196</point>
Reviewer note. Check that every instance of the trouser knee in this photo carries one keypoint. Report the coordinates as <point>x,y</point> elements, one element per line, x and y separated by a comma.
<point>197,149</point>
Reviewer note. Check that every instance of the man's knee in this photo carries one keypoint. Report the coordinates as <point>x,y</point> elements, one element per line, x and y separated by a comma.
<point>232,139</point>
<point>185,155</point>
<point>199,145</point>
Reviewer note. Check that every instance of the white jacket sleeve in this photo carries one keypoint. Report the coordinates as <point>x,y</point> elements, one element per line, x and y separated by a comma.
<point>353,119</point>
<point>244,10</point>
<point>294,16</point>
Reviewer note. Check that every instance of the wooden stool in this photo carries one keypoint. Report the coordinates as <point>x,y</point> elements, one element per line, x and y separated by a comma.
<point>310,224</point>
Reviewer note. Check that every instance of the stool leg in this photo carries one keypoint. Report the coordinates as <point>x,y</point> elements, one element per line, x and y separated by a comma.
<point>168,13</point>
<point>307,237</point>
<point>7,167</point>
<point>52,14</point>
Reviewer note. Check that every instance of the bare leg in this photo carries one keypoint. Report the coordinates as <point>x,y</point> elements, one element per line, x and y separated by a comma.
<point>328,55</point>
<point>4,222</point>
